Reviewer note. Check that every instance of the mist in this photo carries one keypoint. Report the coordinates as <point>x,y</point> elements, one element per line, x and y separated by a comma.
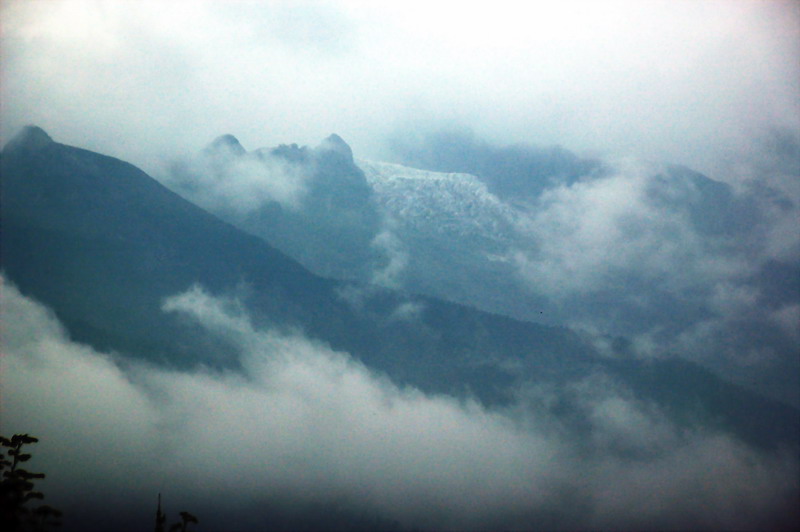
<point>220,179</point>
<point>305,436</point>
<point>685,82</point>
<point>672,260</point>
<point>307,427</point>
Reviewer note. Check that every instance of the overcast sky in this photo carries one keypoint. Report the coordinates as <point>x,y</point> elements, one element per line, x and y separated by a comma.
<point>690,82</point>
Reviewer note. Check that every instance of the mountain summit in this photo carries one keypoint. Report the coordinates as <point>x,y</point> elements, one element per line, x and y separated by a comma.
<point>336,144</point>
<point>226,143</point>
<point>103,244</point>
<point>29,138</point>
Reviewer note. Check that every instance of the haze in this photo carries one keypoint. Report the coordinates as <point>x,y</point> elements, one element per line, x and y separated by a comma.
<point>690,82</point>
<point>625,257</point>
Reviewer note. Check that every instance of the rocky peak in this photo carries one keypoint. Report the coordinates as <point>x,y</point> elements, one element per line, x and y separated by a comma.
<point>335,144</point>
<point>30,138</point>
<point>226,143</point>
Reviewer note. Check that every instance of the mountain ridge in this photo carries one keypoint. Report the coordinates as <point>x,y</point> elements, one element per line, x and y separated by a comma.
<point>30,137</point>
<point>103,243</point>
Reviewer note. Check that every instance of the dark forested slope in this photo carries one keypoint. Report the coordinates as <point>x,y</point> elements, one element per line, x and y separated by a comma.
<point>103,244</point>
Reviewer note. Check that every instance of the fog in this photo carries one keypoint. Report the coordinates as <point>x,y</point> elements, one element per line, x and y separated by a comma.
<point>219,179</point>
<point>305,426</point>
<point>687,82</point>
<point>305,432</point>
<point>662,255</point>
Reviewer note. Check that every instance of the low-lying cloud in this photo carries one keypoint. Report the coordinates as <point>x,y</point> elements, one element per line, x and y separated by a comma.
<point>222,180</point>
<point>626,229</point>
<point>677,262</point>
<point>305,426</point>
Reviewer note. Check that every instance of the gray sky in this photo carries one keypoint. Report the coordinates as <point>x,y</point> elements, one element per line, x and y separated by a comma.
<point>690,82</point>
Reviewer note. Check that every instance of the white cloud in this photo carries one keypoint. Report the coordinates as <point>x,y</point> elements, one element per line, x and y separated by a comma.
<point>674,264</point>
<point>240,185</point>
<point>687,81</point>
<point>390,246</point>
<point>304,423</point>
<point>597,235</point>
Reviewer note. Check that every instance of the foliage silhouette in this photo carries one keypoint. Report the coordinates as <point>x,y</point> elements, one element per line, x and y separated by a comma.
<point>186,518</point>
<point>161,518</point>
<point>17,488</point>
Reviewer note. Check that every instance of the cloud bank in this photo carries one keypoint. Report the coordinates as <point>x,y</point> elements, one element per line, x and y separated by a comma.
<point>687,82</point>
<point>659,253</point>
<point>677,262</point>
<point>223,178</point>
<point>310,428</point>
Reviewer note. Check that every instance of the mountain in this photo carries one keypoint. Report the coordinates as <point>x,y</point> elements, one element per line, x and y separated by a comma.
<point>455,239</point>
<point>312,203</point>
<point>514,173</point>
<point>486,236</point>
<point>652,251</point>
<point>454,236</point>
<point>103,244</point>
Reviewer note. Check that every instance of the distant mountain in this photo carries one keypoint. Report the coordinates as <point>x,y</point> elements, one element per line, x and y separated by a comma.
<point>454,238</point>
<point>622,246</point>
<point>513,173</point>
<point>462,242</point>
<point>313,204</point>
<point>103,244</point>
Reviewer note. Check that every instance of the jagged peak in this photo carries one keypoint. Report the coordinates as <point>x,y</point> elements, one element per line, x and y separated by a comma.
<point>336,144</point>
<point>29,138</point>
<point>228,143</point>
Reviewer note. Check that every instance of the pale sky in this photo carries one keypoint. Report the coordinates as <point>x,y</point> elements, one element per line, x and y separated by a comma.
<point>689,82</point>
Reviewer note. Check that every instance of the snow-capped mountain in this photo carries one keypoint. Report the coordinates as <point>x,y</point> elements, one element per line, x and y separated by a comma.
<point>658,253</point>
<point>654,252</point>
<point>129,267</point>
<point>452,204</point>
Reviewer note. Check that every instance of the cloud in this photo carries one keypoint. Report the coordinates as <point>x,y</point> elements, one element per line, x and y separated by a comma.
<point>392,248</point>
<point>240,184</point>
<point>598,233</point>
<point>687,82</point>
<point>305,425</point>
<point>301,200</point>
<point>676,262</point>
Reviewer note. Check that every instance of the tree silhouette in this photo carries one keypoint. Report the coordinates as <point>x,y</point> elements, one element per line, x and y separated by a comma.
<point>16,489</point>
<point>186,518</point>
<point>161,518</point>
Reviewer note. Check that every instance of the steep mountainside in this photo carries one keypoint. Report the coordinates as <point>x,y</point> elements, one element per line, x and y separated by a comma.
<point>312,203</point>
<point>451,238</point>
<point>103,244</point>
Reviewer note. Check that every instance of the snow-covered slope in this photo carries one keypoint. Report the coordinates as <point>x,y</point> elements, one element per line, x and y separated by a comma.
<point>658,253</point>
<point>452,204</point>
<point>447,235</point>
